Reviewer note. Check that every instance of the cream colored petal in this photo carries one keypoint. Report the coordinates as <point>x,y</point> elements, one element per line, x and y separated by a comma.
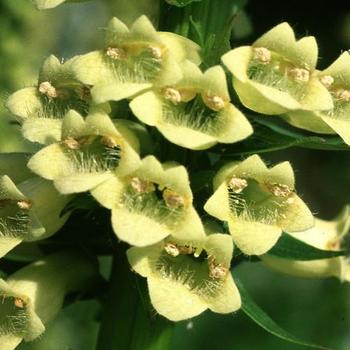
<point>137,229</point>
<point>25,103</point>
<point>298,216</point>
<point>104,92</point>
<point>80,182</point>
<point>227,298</point>
<point>147,108</point>
<point>174,300</point>
<point>308,120</point>
<point>253,238</point>
<point>42,130</point>
<point>141,258</point>
<point>218,204</point>
<point>108,193</point>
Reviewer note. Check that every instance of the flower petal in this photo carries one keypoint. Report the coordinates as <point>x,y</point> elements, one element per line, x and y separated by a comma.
<point>253,238</point>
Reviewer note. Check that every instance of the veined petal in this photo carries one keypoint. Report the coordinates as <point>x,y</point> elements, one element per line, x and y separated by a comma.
<point>80,182</point>
<point>254,238</point>
<point>117,91</point>
<point>181,47</point>
<point>24,103</point>
<point>148,108</point>
<point>281,39</point>
<point>265,99</point>
<point>184,303</point>
<point>298,216</point>
<point>227,299</point>
<point>309,120</point>
<point>218,204</point>
<point>138,229</point>
<point>42,130</point>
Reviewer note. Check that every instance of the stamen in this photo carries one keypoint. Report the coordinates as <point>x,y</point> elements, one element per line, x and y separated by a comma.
<point>172,95</point>
<point>25,204</point>
<point>342,94</point>
<point>171,249</point>
<point>141,186</point>
<point>156,52</point>
<point>262,54</point>
<point>71,143</point>
<point>116,53</point>
<point>20,303</point>
<point>214,102</point>
<point>327,80</point>
<point>278,190</point>
<point>175,249</point>
<point>217,271</point>
<point>48,90</point>
<point>237,184</point>
<point>173,199</point>
<point>109,141</point>
<point>299,74</point>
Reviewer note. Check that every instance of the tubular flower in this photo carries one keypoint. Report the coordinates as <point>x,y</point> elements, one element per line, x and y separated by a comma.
<point>188,276</point>
<point>336,79</point>
<point>91,151</point>
<point>30,207</point>
<point>195,112</point>
<point>277,73</point>
<point>258,203</point>
<point>327,235</point>
<point>29,211</point>
<point>133,60</point>
<point>40,109</point>
<point>34,295</point>
<point>150,203</point>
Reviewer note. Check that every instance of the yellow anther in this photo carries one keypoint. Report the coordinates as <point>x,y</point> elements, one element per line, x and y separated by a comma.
<point>24,204</point>
<point>299,74</point>
<point>173,199</point>
<point>327,80</point>
<point>342,94</point>
<point>172,95</point>
<point>237,184</point>
<point>171,249</point>
<point>217,271</point>
<point>20,303</point>
<point>47,89</point>
<point>141,186</point>
<point>116,53</point>
<point>279,190</point>
<point>214,102</point>
<point>71,143</point>
<point>156,52</point>
<point>262,54</point>
<point>109,142</point>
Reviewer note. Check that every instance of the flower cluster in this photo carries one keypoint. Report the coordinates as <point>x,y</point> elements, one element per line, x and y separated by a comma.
<point>91,118</point>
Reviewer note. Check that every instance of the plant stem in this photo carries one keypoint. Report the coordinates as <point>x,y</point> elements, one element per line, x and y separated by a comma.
<point>127,323</point>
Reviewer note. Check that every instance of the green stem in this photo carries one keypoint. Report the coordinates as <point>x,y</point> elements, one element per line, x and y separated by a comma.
<point>127,323</point>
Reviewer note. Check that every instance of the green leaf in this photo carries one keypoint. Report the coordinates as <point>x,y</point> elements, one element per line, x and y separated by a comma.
<point>259,316</point>
<point>271,136</point>
<point>288,247</point>
<point>181,3</point>
<point>303,138</point>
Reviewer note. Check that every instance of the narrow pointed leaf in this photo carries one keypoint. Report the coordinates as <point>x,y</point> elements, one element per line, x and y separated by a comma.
<point>259,316</point>
<point>291,248</point>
